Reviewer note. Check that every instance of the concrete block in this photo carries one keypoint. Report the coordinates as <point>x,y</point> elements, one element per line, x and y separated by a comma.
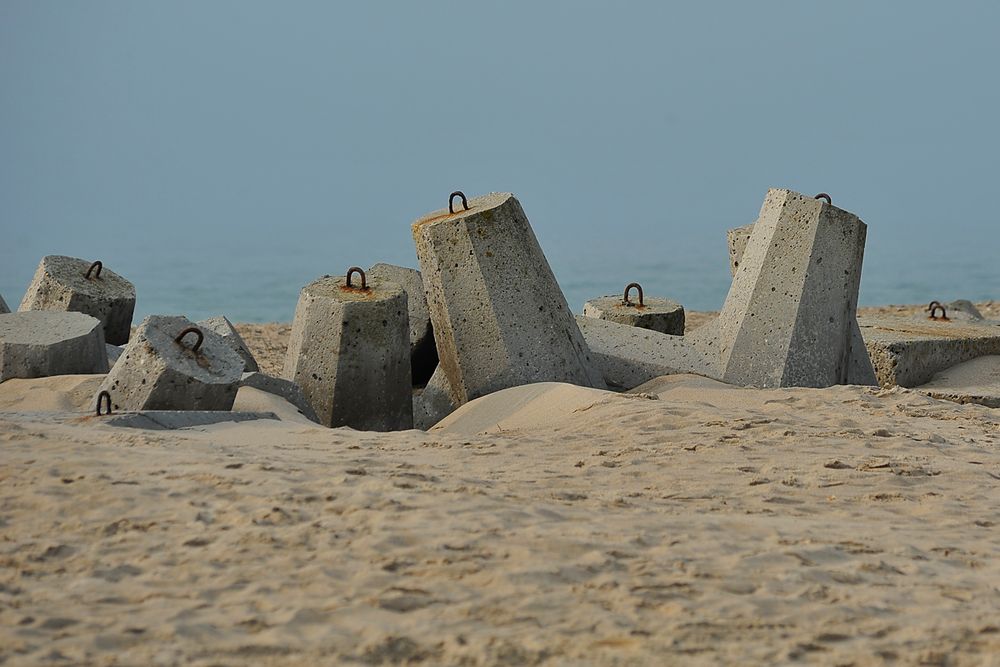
<point>737,240</point>
<point>286,389</point>
<point>908,352</point>
<point>158,372</point>
<point>500,319</point>
<point>40,344</point>
<point>974,381</point>
<point>423,353</point>
<point>349,350</point>
<point>3,306</point>
<point>960,310</point>
<point>434,403</point>
<point>788,317</point>
<point>651,313</point>
<point>170,420</point>
<point>114,352</point>
<point>67,283</point>
<point>222,326</point>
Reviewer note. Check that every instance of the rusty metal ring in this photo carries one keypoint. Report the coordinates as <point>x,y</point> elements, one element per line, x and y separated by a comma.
<point>104,394</point>
<point>351,271</point>
<point>96,265</point>
<point>930,306</point>
<point>628,287</point>
<point>944,313</point>
<point>825,196</point>
<point>196,331</point>
<point>451,201</point>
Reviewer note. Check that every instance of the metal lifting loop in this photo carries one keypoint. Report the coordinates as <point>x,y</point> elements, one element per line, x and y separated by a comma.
<point>451,201</point>
<point>638,288</point>
<point>930,306</point>
<point>944,313</point>
<point>196,331</point>
<point>351,271</point>
<point>95,265</point>
<point>825,196</point>
<point>104,396</point>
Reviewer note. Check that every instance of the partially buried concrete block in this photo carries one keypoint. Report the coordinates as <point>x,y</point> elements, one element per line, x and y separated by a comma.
<point>500,319</point>
<point>790,314</point>
<point>349,350</point>
<point>434,403</point>
<point>67,283</point>
<point>423,353</point>
<point>40,344</point>
<point>222,326</point>
<point>651,313</point>
<point>161,369</point>
<point>286,389</point>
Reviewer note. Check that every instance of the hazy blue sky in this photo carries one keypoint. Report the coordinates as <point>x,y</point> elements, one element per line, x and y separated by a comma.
<point>186,142</point>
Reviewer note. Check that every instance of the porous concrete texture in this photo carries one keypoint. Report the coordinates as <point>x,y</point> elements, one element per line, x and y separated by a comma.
<point>3,306</point>
<point>222,326</point>
<point>629,356</point>
<point>114,352</point>
<point>788,317</point>
<point>286,389</point>
<point>170,420</point>
<point>423,353</point>
<point>349,350</point>
<point>908,351</point>
<point>155,372</point>
<point>655,314</point>
<point>500,319</point>
<point>974,381</point>
<point>435,402</point>
<point>60,283</point>
<point>40,344</point>
<point>737,240</point>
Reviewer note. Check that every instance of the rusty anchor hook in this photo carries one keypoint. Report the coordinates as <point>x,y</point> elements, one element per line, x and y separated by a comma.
<point>638,288</point>
<point>96,265</point>
<point>104,396</point>
<point>197,332</point>
<point>825,196</point>
<point>351,271</point>
<point>451,201</point>
<point>935,306</point>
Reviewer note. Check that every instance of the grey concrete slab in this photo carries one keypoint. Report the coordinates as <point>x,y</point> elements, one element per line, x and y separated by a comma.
<point>222,326</point>
<point>44,343</point>
<point>435,402</point>
<point>500,318</point>
<point>157,372</point>
<point>974,381</point>
<point>908,352</point>
<point>71,284</point>
<point>423,353</point>
<point>349,350</point>
<point>653,313</point>
<point>286,389</point>
<point>114,352</point>
<point>169,420</point>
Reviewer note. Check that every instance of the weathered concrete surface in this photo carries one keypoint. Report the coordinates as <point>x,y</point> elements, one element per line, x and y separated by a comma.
<point>39,344</point>
<point>423,353</point>
<point>286,389</point>
<point>169,420</point>
<point>60,284</point>
<point>629,356</point>
<point>662,315</point>
<point>737,240</point>
<point>434,403</point>
<point>908,351</point>
<point>973,381</point>
<point>3,306</point>
<point>500,319</point>
<point>155,372</point>
<point>114,352</point>
<point>349,350</point>
<point>222,326</point>
<point>788,317</point>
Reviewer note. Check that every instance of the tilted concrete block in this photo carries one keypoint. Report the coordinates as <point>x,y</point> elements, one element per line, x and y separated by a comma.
<point>67,283</point>
<point>286,389</point>
<point>39,344</point>
<point>434,403</point>
<point>349,350</point>
<point>114,351</point>
<point>156,371</point>
<point>638,310</point>
<point>500,319</point>
<point>423,353</point>
<point>788,317</point>
<point>737,240</point>
<point>222,326</point>
<point>3,306</point>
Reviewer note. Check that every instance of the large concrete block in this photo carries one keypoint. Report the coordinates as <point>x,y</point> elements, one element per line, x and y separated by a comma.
<point>39,344</point>
<point>222,326</point>
<point>3,306</point>
<point>349,350</point>
<point>434,403</point>
<point>788,317</point>
<point>67,283</point>
<point>637,310</point>
<point>423,353</point>
<point>160,370</point>
<point>500,319</point>
<point>286,389</point>
<point>172,420</point>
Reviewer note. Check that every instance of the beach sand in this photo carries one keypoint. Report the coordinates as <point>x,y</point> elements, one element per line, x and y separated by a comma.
<point>690,523</point>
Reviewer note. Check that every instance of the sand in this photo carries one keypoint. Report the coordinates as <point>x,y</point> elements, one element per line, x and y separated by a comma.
<point>691,523</point>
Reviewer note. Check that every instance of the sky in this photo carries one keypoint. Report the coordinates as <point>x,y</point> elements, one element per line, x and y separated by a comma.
<point>223,153</point>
